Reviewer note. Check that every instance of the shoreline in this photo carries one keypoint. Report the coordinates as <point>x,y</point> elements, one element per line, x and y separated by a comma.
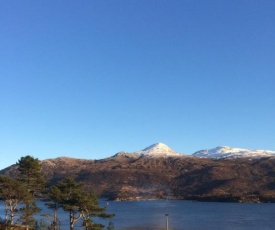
<point>223,199</point>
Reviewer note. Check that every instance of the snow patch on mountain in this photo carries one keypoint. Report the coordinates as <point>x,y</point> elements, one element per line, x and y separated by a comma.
<point>158,150</point>
<point>155,150</point>
<point>223,152</point>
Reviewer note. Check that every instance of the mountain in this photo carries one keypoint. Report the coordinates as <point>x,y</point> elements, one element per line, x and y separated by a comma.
<point>221,152</point>
<point>158,172</point>
<point>226,152</point>
<point>159,149</point>
<point>155,150</point>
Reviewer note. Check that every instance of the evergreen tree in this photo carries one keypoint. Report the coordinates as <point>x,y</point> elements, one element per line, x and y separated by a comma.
<point>28,211</point>
<point>89,207</point>
<point>79,203</point>
<point>31,175</point>
<point>12,192</point>
<point>54,195</point>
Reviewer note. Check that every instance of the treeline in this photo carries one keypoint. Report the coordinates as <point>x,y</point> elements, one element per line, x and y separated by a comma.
<point>19,196</point>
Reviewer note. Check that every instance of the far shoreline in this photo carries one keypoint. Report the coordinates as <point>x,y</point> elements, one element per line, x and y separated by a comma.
<point>223,199</point>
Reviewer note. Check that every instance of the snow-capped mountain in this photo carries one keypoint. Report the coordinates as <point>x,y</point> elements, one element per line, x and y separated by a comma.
<point>223,152</point>
<point>158,149</point>
<point>155,150</point>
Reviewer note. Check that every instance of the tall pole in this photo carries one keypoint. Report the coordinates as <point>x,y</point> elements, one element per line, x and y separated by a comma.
<point>167,221</point>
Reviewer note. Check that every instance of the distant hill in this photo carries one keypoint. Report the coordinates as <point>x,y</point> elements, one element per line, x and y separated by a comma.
<point>158,172</point>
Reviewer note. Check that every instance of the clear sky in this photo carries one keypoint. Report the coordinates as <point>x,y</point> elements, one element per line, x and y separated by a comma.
<point>88,79</point>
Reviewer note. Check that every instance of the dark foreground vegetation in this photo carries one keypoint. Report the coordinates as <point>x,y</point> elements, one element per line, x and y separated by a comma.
<point>20,192</point>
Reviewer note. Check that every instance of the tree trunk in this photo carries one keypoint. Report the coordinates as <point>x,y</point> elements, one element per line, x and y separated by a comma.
<point>71,220</point>
<point>12,216</point>
<point>55,218</point>
<point>12,208</point>
<point>6,211</point>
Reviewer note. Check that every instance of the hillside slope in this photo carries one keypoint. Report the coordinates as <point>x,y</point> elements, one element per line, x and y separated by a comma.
<point>129,176</point>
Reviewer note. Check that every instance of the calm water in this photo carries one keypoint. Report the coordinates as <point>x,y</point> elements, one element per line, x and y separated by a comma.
<point>183,215</point>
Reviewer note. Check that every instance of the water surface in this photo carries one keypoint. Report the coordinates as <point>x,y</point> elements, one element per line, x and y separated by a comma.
<point>183,215</point>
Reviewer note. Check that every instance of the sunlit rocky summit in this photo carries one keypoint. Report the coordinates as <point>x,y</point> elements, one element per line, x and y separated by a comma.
<point>159,172</point>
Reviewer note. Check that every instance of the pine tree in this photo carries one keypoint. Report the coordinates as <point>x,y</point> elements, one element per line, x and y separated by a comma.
<point>12,192</point>
<point>54,194</point>
<point>79,203</point>
<point>66,193</point>
<point>31,176</point>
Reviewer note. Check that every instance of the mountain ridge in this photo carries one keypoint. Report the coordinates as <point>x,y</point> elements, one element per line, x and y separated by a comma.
<point>222,152</point>
<point>133,177</point>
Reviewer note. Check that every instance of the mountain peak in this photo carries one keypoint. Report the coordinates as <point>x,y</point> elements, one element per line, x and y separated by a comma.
<point>155,150</point>
<point>156,146</point>
<point>158,149</point>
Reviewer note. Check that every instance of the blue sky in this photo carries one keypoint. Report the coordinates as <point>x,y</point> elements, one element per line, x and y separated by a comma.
<point>87,79</point>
